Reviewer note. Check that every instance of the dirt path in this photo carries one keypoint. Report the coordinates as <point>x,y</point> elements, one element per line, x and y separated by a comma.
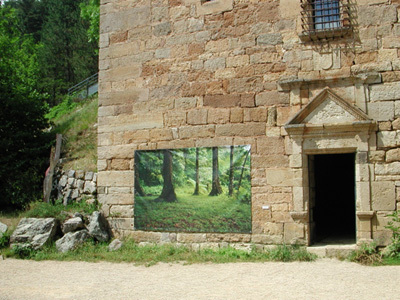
<point>324,279</point>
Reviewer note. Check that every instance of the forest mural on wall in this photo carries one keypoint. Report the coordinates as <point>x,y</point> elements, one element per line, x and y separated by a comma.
<point>193,189</point>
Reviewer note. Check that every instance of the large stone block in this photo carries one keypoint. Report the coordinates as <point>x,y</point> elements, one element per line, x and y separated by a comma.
<point>248,129</point>
<point>231,100</point>
<point>388,139</point>
<point>383,195</point>
<point>372,15</point>
<point>293,233</point>
<point>393,155</point>
<point>270,145</point>
<point>115,178</point>
<point>187,132</point>
<point>386,91</point>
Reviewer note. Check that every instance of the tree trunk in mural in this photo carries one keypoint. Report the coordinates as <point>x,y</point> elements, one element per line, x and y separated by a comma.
<point>216,185</point>
<point>241,174</point>
<point>197,179</point>
<point>168,191</point>
<point>231,173</point>
<point>138,188</point>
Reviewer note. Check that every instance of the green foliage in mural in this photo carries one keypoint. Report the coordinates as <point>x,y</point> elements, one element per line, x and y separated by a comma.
<point>191,212</point>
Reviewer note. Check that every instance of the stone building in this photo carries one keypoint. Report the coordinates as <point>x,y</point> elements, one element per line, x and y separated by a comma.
<point>312,85</point>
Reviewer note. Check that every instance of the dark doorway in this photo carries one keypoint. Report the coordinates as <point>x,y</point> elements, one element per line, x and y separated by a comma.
<point>332,198</point>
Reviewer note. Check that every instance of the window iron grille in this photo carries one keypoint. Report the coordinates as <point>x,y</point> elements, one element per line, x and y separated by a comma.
<point>325,18</point>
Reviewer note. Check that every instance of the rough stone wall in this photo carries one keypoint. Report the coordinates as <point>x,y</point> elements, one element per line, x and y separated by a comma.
<point>75,186</point>
<point>179,73</point>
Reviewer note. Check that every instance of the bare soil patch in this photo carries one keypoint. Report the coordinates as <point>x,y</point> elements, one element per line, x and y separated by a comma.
<point>323,279</point>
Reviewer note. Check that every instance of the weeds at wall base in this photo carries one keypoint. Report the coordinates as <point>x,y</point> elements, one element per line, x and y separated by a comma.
<point>151,254</point>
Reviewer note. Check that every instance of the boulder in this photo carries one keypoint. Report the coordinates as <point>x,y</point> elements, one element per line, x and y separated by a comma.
<point>35,232</point>
<point>98,227</point>
<point>115,245</point>
<point>72,224</point>
<point>3,229</point>
<point>71,240</point>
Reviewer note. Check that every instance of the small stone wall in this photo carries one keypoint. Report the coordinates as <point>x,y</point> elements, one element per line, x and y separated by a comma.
<point>75,185</point>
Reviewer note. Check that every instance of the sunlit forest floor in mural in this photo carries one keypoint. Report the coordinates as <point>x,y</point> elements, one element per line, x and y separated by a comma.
<point>193,214</point>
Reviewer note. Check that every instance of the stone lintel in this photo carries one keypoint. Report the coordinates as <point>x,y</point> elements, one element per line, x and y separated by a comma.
<point>287,85</point>
<point>318,129</point>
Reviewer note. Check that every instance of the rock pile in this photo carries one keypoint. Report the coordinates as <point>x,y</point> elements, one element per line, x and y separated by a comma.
<point>76,230</point>
<point>75,185</point>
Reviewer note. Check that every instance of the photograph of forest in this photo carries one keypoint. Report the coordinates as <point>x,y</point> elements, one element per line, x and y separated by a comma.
<point>193,189</point>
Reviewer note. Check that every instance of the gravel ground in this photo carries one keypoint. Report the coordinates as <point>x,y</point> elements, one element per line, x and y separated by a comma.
<point>323,279</point>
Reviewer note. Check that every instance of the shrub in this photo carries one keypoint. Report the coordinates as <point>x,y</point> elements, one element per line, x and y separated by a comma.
<point>367,254</point>
<point>23,251</point>
<point>393,250</point>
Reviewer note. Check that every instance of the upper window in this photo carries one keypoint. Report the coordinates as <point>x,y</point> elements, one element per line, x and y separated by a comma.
<point>322,19</point>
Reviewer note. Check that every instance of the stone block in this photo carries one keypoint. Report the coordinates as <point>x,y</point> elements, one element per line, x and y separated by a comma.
<point>187,132</point>
<point>236,115</point>
<point>269,39</point>
<point>270,98</point>
<point>258,114</point>
<point>383,195</point>
<point>237,61</point>
<point>121,211</point>
<point>270,145</point>
<point>239,129</point>
<point>388,139</point>
<point>230,100</point>
<point>162,29</point>
<point>115,178</point>
<point>191,237</point>
<point>385,91</point>
<point>387,169</point>
<point>116,199</point>
<point>218,116</point>
<point>214,64</point>
<point>213,7</point>
<point>393,155</point>
<point>197,117</point>
<point>372,15</point>
<point>293,233</point>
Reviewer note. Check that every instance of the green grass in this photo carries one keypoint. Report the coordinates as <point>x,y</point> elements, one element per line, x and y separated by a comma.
<point>76,122</point>
<point>168,253</point>
<point>193,214</point>
<point>391,261</point>
<point>57,210</point>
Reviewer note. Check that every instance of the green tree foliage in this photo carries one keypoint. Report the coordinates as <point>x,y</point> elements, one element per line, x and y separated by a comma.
<point>31,14</point>
<point>90,12</point>
<point>22,123</point>
<point>66,57</point>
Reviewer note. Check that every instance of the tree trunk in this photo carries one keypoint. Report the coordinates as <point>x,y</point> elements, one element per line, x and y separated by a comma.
<point>241,174</point>
<point>216,185</point>
<point>231,173</point>
<point>196,189</point>
<point>138,187</point>
<point>168,191</point>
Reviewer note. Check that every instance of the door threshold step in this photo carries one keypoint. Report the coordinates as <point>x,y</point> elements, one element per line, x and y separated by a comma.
<point>332,251</point>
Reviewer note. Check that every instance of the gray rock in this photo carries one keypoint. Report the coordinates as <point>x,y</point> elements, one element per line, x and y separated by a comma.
<point>80,184</point>
<point>63,181</point>
<point>90,187</point>
<point>89,176</point>
<point>75,194</point>
<point>71,173</point>
<point>35,232</point>
<point>115,245</point>
<point>72,224</point>
<point>71,240</point>
<point>98,227</point>
<point>80,174</point>
<point>3,229</point>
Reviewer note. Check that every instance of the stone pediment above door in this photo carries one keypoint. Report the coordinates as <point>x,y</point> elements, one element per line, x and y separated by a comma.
<point>329,112</point>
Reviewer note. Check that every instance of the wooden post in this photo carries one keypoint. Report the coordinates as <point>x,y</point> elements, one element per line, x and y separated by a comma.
<point>54,158</point>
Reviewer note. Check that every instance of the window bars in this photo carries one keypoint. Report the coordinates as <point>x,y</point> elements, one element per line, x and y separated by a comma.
<point>322,19</point>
